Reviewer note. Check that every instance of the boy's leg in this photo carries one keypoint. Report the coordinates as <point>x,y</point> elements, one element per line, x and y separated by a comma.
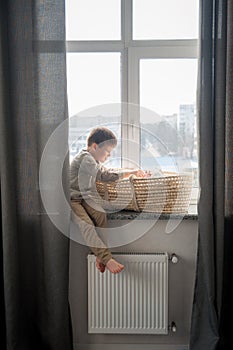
<point>89,233</point>
<point>99,217</point>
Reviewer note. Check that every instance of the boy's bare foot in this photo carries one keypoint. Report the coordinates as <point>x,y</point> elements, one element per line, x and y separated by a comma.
<point>100,266</point>
<point>114,266</point>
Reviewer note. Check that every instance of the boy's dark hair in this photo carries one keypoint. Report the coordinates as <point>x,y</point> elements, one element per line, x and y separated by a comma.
<point>101,136</point>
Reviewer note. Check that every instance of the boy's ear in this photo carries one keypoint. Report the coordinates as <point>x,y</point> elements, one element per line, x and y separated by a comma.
<point>94,145</point>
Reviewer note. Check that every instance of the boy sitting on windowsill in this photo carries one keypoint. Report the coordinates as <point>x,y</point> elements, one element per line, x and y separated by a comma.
<point>85,170</point>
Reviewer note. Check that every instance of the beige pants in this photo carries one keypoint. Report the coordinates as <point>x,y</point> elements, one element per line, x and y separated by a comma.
<point>89,219</point>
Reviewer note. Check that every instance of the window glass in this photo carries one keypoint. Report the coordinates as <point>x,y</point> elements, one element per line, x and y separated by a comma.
<point>168,134</point>
<point>93,19</point>
<point>94,94</point>
<point>93,79</point>
<point>165,19</point>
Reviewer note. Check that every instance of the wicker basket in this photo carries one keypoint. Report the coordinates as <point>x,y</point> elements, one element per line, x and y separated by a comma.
<point>168,194</point>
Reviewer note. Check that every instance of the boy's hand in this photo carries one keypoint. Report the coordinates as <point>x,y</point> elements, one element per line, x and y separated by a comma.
<point>138,173</point>
<point>148,173</point>
<point>142,173</point>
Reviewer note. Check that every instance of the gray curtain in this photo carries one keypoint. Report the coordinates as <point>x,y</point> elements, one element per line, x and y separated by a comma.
<point>213,306</point>
<point>34,252</point>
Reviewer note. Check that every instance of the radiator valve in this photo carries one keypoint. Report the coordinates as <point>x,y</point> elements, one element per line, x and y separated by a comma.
<point>174,258</point>
<point>172,327</point>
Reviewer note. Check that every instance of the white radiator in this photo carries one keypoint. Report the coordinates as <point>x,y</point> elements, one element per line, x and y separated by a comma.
<point>133,301</point>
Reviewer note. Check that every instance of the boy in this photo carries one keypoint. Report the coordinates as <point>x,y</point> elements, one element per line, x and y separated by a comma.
<point>85,170</point>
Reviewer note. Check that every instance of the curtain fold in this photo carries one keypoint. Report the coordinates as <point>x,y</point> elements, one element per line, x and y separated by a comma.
<point>34,252</point>
<point>212,305</point>
<point>226,339</point>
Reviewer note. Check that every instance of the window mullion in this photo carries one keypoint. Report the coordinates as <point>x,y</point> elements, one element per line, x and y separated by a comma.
<point>94,46</point>
<point>130,114</point>
<point>127,21</point>
<point>126,32</point>
<point>124,110</point>
<point>169,43</point>
<point>133,107</point>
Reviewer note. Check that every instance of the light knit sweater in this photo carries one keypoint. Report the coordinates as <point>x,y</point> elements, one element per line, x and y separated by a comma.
<point>84,172</point>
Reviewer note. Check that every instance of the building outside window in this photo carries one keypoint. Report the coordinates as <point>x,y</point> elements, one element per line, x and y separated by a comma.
<point>132,66</point>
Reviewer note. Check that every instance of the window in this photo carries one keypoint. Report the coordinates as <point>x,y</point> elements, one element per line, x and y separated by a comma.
<point>132,66</point>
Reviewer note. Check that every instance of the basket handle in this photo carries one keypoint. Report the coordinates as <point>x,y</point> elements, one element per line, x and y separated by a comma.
<point>134,199</point>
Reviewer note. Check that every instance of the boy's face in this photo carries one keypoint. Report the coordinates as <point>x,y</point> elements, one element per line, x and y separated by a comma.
<point>102,152</point>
